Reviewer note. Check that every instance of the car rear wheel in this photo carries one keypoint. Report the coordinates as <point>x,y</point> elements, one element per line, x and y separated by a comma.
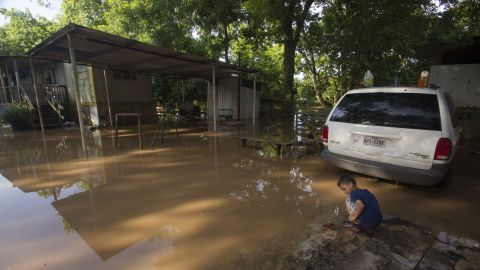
<point>446,180</point>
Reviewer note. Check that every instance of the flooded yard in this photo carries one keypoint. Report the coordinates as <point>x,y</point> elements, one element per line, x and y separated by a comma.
<point>196,201</point>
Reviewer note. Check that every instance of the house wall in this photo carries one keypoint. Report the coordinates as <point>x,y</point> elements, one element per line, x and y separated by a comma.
<point>129,93</point>
<point>227,98</point>
<point>461,81</point>
<point>121,89</point>
<point>28,86</point>
<point>67,71</point>
<point>246,103</point>
<point>463,84</point>
<point>87,93</point>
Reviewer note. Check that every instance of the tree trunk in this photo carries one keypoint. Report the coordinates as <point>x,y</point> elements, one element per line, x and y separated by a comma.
<point>290,41</point>
<point>289,47</point>
<point>318,92</point>
<point>226,41</point>
<point>310,60</point>
<point>288,71</point>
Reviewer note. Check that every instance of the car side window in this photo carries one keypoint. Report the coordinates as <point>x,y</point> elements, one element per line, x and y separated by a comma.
<point>452,110</point>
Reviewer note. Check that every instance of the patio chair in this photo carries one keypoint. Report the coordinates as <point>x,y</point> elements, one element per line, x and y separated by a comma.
<point>165,123</point>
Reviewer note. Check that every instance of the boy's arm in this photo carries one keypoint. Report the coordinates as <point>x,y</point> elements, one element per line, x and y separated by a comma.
<point>358,210</point>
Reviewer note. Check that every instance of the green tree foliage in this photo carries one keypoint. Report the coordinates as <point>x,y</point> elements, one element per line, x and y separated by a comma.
<point>288,18</point>
<point>369,35</point>
<point>266,57</point>
<point>172,92</point>
<point>22,31</point>
<point>163,23</point>
<point>458,21</point>
<point>464,15</point>
<point>218,23</point>
<point>328,44</point>
<point>90,13</point>
<point>315,64</point>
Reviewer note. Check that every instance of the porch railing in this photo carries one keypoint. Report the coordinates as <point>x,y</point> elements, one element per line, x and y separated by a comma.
<point>24,97</point>
<point>57,97</point>
<point>11,94</point>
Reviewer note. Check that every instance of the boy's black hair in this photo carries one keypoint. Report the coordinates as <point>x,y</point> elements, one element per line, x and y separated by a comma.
<point>345,180</point>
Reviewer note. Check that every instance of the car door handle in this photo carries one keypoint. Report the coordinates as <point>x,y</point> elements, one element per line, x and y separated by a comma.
<point>388,136</point>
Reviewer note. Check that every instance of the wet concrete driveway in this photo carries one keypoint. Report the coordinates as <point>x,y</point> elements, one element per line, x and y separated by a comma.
<point>199,201</point>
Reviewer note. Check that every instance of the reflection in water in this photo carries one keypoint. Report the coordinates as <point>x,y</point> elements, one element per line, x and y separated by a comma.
<point>63,148</point>
<point>302,183</point>
<point>183,196</point>
<point>67,227</point>
<point>29,167</point>
<point>192,203</point>
<point>264,188</point>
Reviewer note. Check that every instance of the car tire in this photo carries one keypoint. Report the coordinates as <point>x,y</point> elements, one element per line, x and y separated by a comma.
<point>446,180</point>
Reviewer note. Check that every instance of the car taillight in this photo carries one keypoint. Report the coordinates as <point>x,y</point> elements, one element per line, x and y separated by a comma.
<point>325,134</point>
<point>443,149</point>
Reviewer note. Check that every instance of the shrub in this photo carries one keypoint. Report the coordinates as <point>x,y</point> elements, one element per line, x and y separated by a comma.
<point>19,116</point>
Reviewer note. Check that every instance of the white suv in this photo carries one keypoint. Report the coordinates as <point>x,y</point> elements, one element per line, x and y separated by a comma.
<point>403,134</point>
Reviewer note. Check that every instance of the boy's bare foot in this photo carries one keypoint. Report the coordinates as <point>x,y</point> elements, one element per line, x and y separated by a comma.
<point>350,226</point>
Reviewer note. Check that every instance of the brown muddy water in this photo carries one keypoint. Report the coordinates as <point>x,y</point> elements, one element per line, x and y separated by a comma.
<point>199,201</point>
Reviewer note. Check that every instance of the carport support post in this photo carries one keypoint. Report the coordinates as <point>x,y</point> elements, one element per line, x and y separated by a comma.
<point>108,98</point>
<point>17,79</point>
<point>254,99</point>
<point>214,94</point>
<point>35,90</point>
<point>77,92</point>
<point>8,83</point>
<point>3,85</point>
<point>183,92</point>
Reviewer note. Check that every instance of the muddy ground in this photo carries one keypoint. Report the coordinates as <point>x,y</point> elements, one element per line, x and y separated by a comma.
<point>396,244</point>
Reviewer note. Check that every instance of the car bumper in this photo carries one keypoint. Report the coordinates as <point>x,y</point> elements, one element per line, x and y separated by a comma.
<point>388,171</point>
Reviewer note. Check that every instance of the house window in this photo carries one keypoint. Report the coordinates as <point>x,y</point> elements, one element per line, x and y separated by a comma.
<point>123,75</point>
<point>49,76</point>
<point>117,75</point>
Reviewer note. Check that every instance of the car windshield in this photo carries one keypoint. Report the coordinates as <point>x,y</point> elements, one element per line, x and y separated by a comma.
<point>402,110</point>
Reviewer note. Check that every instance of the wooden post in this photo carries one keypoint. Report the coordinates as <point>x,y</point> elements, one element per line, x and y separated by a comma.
<point>116,130</point>
<point>108,98</point>
<point>239,87</point>
<point>3,85</point>
<point>140,136</point>
<point>254,99</point>
<point>214,94</point>
<point>209,100</point>
<point>183,92</point>
<point>77,92</point>
<point>8,83</point>
<point>35,90</point>
<point>17,79</point>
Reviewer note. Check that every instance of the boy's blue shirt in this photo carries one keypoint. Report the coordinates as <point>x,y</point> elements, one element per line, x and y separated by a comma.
<point>371,215</point>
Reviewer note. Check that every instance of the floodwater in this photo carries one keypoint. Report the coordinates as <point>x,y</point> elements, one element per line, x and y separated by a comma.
<point>196,201</point>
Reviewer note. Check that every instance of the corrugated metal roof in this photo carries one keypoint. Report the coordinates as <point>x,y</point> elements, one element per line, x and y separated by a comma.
<point>23,63</point>
<point>97,48</point>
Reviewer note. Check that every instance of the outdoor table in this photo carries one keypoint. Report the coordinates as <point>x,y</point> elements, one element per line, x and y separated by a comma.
<point>277,144</point>
<point>139,127</point>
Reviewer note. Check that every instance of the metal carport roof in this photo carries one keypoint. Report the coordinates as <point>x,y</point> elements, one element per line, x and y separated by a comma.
<point>101,49</point>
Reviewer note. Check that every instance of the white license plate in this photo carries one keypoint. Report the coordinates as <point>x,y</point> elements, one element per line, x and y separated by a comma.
<point>375,141</point>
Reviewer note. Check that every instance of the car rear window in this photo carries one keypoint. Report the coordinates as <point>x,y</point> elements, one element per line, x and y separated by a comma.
<point>402,110</point>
